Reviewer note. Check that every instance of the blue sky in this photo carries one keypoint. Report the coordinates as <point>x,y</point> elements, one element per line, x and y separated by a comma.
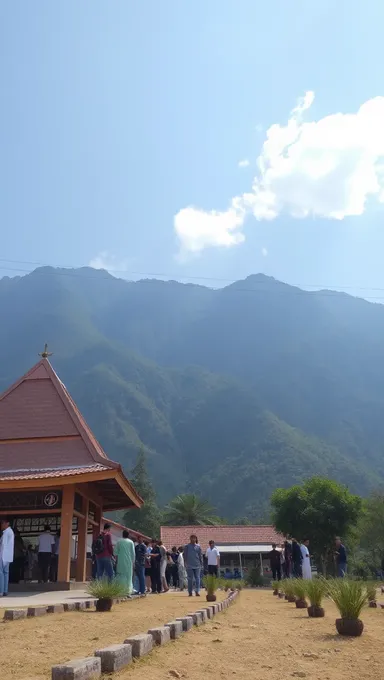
<point>118,116</point>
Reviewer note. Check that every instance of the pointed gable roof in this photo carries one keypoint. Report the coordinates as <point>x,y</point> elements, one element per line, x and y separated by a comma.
<point>43,434</point>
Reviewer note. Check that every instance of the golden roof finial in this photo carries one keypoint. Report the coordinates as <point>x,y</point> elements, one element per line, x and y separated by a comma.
<point>45,354</point>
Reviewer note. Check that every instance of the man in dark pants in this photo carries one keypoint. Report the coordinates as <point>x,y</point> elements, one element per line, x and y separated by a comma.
<point>46,544</point>
<point>155,557</point>
<point>297,560</point>
<point>275,562</point>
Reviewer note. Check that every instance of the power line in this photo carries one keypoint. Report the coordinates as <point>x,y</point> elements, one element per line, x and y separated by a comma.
<point>323,290</point>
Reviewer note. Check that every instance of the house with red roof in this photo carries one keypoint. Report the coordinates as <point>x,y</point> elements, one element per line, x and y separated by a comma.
<point>241,547</point>
<point>53,470</point>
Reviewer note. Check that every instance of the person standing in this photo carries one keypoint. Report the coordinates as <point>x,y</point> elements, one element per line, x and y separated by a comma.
<point>297,559</point>
<point>275,562</point>
<point>102,548</point>
<point>175,571</point>
<point>44,556</point>
<point>287,566</point>
<point>182,574</point>
<point>7,541</point>
<point>55,558</point>
<point>193,560</point>
<point>155,557</point>
<point>306,567</point>
<point>148,584</point>
<point>140,558</point>
<point>163,566</point>
<point>213,559</point>
<point>125,559</point>
<point>16,569</point>
<point>341,558</point>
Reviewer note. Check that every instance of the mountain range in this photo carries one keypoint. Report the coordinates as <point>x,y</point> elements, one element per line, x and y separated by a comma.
<point>232,392</point>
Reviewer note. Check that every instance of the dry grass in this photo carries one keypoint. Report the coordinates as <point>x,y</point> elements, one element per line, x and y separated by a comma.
<point>258,637</point>
<point>30,647</point>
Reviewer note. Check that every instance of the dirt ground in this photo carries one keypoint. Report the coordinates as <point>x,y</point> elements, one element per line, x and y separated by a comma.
<point>30,647</point>
<point>262,637</point>
<point>258,637</point>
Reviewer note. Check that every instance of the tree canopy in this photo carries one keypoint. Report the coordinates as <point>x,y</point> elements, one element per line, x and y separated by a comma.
<point>147,519</point>
<point>319,509</point>
<point>188,509</point>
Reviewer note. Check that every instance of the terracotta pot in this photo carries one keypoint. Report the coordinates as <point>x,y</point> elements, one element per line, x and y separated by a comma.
<point>350,627</point>
<point>301,604</point>
<point>373,604</point>
<point>211,597</point>
<point>275,592</point>
<point>104,604</point>
<point>315,612</point>
<point>291,598</point>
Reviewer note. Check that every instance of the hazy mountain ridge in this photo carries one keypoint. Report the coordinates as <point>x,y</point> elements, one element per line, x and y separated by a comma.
<point>206,378</point>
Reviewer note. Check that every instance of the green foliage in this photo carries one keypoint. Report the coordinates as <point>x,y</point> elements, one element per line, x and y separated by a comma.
<point>371,529</point>
<point>287,586</point>
<point>349,596</point>
<point>315,591</point>
<point>275,585</point>
<point>103,589</point>
<point>319,509</point>
<point>188,509</point>
<point>146,519</point>
<point>254,577</point>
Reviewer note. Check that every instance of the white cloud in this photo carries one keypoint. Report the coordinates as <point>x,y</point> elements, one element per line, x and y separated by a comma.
<point>327,168</point>
<point>264,252</point>
<point>109,262</point>
<point>244,163</point>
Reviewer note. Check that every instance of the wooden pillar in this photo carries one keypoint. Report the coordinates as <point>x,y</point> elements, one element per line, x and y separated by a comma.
<point>66,533</point>
<point>81,562</point>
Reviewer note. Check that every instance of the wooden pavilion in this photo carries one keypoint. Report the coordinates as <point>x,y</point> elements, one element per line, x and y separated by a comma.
<point>53,470</point>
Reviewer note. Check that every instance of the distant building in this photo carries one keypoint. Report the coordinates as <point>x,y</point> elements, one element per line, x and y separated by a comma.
<point>241,547</point>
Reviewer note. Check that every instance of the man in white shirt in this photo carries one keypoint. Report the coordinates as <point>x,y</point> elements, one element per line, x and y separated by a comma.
<point>46,547</point>
<point>6,555</point>
<point>213,558</point>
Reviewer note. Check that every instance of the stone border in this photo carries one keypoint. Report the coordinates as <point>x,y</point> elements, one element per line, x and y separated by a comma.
<point>116,657</point>
<point>81,605</point>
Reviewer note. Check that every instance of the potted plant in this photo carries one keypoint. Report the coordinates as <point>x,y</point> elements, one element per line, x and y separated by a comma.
<point>105,591</point>
<point>300,591</point>
<point>350,598</point>
<point>211,584</point>
<point>316,589</point>
<point>289,587</point>
<point>371,593</point>
<point>275,586</point>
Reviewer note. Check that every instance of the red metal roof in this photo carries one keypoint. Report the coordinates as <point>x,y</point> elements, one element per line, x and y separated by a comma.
<point>222,535</point>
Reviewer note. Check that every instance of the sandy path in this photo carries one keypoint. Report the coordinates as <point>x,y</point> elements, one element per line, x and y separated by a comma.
<point>262,637</point>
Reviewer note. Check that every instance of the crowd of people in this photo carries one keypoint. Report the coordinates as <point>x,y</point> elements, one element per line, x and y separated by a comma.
<point>293,559</point>
<point>148,567</point>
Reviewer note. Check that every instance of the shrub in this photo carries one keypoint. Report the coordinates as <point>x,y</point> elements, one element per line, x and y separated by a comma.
<point>211,583</point>
<point>371,591</point>
<point>348,596</point>
<point>299,588</point>
<point>255,578</point>
<point>102,589</point>
<point>315,590</point>
<point>288,586</point>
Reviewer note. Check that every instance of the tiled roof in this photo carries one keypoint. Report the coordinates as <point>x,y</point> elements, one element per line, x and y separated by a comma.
<point>50,474</point>
<point>222,535</point>
<point>38,410</point>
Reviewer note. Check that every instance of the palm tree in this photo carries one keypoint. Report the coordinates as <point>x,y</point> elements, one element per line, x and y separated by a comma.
<point>189,510</point>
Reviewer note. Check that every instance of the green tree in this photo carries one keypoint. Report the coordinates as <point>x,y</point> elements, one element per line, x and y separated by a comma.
<point>319,509</point>
<point>147,519</point>
<point>188,509</point>
<point>372,534</point>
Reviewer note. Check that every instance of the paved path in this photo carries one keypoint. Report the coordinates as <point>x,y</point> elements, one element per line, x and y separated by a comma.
<point>41,599</point>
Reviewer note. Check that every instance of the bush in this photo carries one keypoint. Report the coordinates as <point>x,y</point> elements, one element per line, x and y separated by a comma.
<point>103,589</point>
<point>315,590</point>
<point>371,590</point>
<point>211,583</point>
<point>276,585</point>
<point>255,578</point>
<point>287,586</point>
<point>299,588</point>
<point>348,596</point>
